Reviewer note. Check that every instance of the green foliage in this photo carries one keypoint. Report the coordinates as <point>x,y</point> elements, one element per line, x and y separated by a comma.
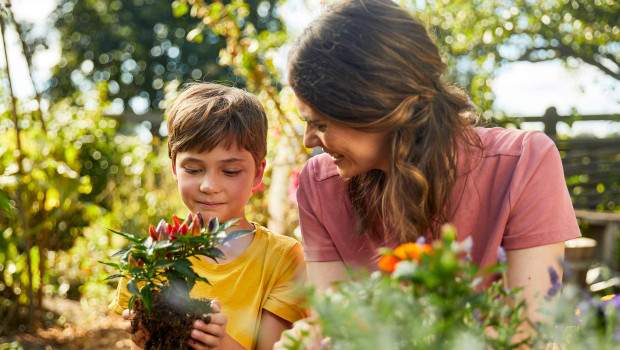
<point>437,299</point>
<point>434,299</point>
<point>161,260</point>
<point>139,47</point>
<point>478,37</point>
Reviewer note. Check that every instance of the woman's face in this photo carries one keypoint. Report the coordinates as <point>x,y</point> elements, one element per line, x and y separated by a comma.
<point>353,151</point>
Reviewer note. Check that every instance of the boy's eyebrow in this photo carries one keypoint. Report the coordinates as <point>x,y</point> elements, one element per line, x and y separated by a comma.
<point>228,160</point>
<point>232,160</point>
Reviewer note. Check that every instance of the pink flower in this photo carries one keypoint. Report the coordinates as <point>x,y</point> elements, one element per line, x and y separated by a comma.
<point>293,184</point>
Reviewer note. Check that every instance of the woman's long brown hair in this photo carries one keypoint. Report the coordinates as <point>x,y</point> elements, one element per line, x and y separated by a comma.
<point>369,65</point>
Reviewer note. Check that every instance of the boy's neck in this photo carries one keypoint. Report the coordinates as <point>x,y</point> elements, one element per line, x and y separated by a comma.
<point>237,246</point>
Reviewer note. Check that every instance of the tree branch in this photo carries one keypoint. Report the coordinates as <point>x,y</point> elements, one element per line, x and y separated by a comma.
<point>564,51</point>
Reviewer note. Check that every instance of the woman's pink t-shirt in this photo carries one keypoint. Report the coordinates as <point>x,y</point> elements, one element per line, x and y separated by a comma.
<point>515,197</point>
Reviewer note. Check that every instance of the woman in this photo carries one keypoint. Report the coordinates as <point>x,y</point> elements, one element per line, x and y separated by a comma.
<point>402,156</point>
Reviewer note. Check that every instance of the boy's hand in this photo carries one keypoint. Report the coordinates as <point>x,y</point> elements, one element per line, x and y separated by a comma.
<point>141,336</point>
<point>208,335</point>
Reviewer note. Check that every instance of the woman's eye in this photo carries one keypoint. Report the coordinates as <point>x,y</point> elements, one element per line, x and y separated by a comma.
<point>232,173</point>
<point>318,127</point>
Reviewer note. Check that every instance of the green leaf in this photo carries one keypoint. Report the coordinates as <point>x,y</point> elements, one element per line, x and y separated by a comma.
<point>147,295</point>
<point>132,287</point>
<point>111,277</point>
<point>235,235</point>
<point>5,205</point>
<point>184,269</point>
<point>162,244</point>
<point>109,264</point>
<point>202,279</point>
<point>163,264</point>
<point>215,253</point>
<point>120,252</point>
<point>131,301</point>
<point>229,223</point>
<point>179,8</point>
<point>129,236</point>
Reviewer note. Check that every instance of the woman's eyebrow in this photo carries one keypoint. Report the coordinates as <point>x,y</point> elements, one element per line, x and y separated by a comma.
<point>308,120</point>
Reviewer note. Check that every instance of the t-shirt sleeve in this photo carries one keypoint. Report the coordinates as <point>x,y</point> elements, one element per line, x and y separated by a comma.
<point>286,299</point>
<point>121,297</point>
<point>541,209</point>
<point>317,242</point>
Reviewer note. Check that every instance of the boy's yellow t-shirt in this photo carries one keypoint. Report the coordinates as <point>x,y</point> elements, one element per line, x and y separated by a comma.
<point>267,275</point>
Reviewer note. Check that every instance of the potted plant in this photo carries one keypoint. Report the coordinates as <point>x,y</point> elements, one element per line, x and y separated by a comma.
<point>159,274</point>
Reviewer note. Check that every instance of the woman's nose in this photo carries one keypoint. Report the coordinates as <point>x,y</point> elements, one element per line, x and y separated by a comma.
<point>311,139</point>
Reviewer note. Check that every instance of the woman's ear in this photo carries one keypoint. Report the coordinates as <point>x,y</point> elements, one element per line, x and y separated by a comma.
<point>260,170</point>
<point>174,171</point>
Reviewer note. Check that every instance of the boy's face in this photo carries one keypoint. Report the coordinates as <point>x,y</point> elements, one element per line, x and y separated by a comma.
<point>217,183</point>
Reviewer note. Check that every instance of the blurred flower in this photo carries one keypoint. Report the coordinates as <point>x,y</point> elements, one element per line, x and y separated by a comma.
<point>405,269</point>
<point>412,251</point>
<point>388,263</point>
<point>501,255</point>
<point>293,184</point>
<point>556,285</point>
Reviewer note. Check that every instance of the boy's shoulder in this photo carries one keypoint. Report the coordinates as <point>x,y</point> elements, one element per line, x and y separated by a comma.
<point>274,241</point>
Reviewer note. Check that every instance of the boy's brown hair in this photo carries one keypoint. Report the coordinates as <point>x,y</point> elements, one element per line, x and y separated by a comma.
<point>205,116</point>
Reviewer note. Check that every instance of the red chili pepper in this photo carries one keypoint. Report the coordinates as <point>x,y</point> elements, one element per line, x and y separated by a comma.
<point>153,233</point>
<point>169,255</point>
<point>140,263</point>
<point>183,230</point>
<point>177,221</point>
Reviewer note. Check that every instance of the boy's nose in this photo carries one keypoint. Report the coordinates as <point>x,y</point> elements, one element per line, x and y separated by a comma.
<point>311,139</point>
<point>209,184</point>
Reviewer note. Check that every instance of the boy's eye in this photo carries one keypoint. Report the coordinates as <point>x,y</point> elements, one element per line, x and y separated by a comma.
<point>191,171</point>
<point>232,173</point>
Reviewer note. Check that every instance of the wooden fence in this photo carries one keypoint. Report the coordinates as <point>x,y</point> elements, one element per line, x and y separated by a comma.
<point>592,171</point>
<point>591,165</point>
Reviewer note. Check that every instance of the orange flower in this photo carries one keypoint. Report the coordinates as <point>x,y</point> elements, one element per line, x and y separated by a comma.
<point>412,251</point>
<point>608,297</point>
<point>388,263</point>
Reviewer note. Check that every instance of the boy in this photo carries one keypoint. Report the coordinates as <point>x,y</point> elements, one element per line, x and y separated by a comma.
<point>217,141</point>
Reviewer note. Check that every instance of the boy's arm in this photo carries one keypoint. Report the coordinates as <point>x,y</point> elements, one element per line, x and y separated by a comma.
<point>270,330</point>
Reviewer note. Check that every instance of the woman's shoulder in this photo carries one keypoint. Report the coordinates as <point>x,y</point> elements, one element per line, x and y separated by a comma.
<point>320,168</point>
<point>512,142</point>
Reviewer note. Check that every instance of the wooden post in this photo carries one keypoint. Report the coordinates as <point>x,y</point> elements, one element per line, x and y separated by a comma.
<point>551,119</point>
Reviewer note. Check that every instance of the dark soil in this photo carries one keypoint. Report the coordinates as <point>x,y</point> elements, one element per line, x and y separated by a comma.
<point>170,321</point>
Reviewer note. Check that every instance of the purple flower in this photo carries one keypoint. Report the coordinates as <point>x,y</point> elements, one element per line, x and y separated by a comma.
<point>553,275</point>
<point>421,240</point>
<point>556,285</point>
<point>501,255</point>
<point>476,315</point>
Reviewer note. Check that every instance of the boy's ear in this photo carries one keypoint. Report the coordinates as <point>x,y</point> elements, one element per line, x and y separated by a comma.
<point>174,172</point>
<point>258,178</point>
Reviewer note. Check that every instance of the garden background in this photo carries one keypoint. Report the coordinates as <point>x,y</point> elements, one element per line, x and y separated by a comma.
<point>83,144</point>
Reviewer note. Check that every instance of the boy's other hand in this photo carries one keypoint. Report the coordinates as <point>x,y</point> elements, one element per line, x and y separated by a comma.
<point>141,336</point>
<point>209,335</point>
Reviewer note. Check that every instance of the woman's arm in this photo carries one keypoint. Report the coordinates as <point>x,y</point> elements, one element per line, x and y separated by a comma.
<point>322,274</point>
<point>529,268</point>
